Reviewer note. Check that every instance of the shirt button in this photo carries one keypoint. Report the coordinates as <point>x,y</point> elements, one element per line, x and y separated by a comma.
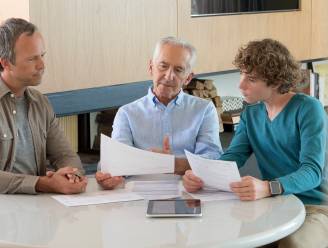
<point>14,112</point>
<point>12,95</point>
<point>5,135</point>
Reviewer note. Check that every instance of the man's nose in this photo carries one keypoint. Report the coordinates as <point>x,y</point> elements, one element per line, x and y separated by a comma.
<point>40,64</point>
<point>242,83</point>
<point>169,74</point>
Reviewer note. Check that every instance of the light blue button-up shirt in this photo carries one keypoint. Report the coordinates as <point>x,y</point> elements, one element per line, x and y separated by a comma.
<point>190,122</point>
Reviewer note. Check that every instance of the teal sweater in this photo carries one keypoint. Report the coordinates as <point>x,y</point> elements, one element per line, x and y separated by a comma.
<point>290,148</point>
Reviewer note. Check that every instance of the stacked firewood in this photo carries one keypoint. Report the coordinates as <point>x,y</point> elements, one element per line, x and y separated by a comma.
<point>206,89</point>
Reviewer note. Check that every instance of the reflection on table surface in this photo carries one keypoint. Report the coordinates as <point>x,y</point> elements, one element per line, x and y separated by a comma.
<point>42,221</point>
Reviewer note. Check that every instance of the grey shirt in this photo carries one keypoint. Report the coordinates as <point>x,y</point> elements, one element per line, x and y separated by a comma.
<point>25,162</point>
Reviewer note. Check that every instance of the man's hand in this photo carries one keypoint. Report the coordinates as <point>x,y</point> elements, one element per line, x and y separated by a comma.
<point>72,177</point>
<point>60,182</point>
<point>181,164</point>
<point>191,182</point>
<point>166,149</point>
<point>106,181</point>
<point>251,188</point>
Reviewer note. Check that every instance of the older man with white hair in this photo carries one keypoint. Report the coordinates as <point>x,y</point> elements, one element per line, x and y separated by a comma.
<point>167,117</point>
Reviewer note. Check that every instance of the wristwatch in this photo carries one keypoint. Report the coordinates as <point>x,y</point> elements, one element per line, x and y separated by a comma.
<point>275,187</point>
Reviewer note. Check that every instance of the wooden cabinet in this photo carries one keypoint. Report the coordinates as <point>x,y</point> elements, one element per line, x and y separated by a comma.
<point>93,43</point>
<point>319,34</point>
<point>217,38</point>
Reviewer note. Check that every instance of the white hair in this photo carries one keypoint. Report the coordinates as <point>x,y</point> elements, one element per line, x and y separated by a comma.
<point>176,42</point>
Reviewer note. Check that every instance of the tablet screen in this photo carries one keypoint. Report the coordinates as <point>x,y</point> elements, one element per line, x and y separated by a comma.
<point>174,208</point>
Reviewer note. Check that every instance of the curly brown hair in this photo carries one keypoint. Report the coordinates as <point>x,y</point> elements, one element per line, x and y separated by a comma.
<point>271,61</point>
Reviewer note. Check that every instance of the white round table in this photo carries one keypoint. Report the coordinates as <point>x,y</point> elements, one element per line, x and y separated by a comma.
<point>40,221</point>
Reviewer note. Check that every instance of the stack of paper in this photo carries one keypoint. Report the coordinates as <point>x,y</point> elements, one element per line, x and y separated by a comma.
<point>210,195</point>
<point>152,190</point>
<point>99,197</point>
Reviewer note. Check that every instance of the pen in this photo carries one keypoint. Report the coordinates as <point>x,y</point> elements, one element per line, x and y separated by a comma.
<point>76,173</point>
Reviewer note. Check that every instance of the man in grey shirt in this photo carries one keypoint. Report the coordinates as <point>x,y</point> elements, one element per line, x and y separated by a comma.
<point>30,135</point>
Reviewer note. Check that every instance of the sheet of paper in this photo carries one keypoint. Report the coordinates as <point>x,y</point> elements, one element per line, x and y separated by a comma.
<point>122,160</point>
<point>210,195</point>
<point>151,190</point>
<point>99,197</point>
<point>216,174</point>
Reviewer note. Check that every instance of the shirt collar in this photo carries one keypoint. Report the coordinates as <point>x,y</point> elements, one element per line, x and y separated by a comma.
<point>30,95</point>
<point>4,90</point>
<point>152,98</point>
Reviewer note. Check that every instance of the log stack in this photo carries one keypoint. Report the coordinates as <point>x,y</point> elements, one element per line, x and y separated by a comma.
<point>205,89</point>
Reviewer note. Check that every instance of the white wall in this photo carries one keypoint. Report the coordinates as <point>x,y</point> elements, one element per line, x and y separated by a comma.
<point>226,84</point>
<point>14,8</point>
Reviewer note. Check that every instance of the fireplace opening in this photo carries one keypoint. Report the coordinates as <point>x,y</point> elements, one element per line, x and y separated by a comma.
<point>90,127</point>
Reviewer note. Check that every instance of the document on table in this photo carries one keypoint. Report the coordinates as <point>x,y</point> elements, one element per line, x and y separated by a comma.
<point>122,160</point>
<point>159,189</point>
<point>99,197</point>
<point>213,195</point>
<point>216,174</point>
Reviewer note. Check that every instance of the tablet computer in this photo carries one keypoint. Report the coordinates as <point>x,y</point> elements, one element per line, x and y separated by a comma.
<point>174,208</point>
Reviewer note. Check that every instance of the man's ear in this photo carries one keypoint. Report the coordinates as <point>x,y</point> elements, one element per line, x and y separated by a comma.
<point>190,76</point>
<point>150,67</point>
<point>5,63</point>
<point>275,87</point>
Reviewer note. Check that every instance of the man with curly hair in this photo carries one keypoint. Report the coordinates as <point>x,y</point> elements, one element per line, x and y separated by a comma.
<point>286,132</point>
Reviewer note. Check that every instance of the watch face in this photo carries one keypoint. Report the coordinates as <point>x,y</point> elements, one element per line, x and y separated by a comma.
<point>275,188</point>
